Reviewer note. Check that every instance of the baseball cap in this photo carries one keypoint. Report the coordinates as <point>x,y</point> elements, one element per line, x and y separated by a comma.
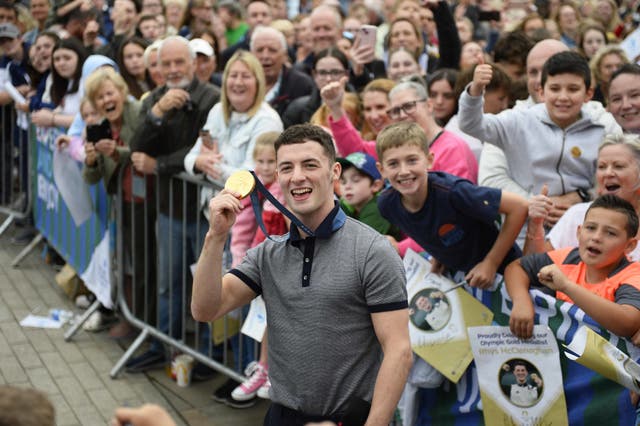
<point>8,30</point>
<point>363,162</point>
<point>201,46</point>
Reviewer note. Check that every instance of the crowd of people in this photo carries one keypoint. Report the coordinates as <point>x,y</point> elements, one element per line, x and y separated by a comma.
<point>529,110</point>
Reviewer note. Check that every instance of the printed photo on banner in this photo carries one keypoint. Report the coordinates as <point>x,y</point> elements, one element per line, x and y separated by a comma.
<point>429,310</point>
<point>439,314</point>
<point>519,379</point>
<point>521,382</point>
<point>593,351</point>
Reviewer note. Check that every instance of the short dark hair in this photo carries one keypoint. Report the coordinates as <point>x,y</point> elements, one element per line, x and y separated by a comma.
<point>633,69</point>
<point>301,133</point>
<point>521,363</point>
<point>331,52</point>
<point>234,9</point>
<point>8,5</point>
<point>146,17</point>
<point>512,48</point>
<point>567,63</point>
<point>617,204</point>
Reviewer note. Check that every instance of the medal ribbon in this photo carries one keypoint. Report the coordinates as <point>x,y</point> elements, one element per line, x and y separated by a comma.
<point>257,208</point>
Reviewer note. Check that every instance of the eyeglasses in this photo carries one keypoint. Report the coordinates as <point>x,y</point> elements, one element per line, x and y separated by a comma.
<point>408,108</point>
<point>330,73</point>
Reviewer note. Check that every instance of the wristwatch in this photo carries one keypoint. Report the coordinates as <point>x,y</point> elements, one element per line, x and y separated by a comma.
<point>583,194</point>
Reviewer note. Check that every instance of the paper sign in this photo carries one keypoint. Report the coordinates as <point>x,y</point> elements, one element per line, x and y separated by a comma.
<point>97,276</point>
<point>631,45</point>
<point>439,318</point>
<point>594,352</point>
<point>256,322</point>
<point>74,191</point>
<point>519,379</point>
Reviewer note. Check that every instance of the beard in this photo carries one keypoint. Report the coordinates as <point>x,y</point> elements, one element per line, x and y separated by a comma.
<point>182,84</point>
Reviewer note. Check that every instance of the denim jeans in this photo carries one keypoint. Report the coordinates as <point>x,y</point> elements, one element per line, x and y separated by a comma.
<point>178,247</point>
<point>175,243</point>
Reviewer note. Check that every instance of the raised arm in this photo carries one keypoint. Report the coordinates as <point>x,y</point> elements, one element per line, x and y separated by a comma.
<point>214,295</point>
<point>346,136</point>
<point>495,129</point>
<point>449,40</point>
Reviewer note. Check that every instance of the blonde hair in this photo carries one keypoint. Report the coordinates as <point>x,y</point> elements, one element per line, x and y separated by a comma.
<point>265,140</point>
<point>401,134</point>
<point>606,50</point>
<point>283,25</point>
<point>98,77</point>
<point>379,85</point>
<point>630,140</point>
<point>261,87</point>
<point>85,101</point>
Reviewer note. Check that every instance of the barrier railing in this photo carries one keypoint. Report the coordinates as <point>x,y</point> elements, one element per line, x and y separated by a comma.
<point>30,189</point>
<point>15,176</point>
<point>154,244</point>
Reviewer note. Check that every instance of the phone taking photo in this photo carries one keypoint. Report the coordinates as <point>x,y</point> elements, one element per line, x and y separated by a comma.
<point>366,36</point>
<point>97,132</point>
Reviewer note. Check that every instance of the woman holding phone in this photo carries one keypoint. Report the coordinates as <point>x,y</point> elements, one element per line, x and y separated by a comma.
<point>107,151</point>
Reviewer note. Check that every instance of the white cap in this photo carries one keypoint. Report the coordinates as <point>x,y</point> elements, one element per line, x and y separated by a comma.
<point>201,46</point>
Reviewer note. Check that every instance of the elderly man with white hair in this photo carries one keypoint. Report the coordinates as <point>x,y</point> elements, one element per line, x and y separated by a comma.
<point>168,125</point>
<point>284,83</point>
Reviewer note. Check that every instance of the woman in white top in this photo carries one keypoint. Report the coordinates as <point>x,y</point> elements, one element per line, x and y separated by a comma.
<point>617,173</point>
<point>234,123</point>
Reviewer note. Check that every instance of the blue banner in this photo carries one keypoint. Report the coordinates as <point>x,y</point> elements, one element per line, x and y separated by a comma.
<point>52,217</point>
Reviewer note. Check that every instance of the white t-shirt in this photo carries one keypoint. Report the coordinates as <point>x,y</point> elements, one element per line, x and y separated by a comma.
<point>439,315</point>
<point>564,232</point>
<point>525,396</point>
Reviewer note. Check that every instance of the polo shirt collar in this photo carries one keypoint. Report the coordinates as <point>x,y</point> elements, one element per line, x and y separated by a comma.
<point>334,221</point>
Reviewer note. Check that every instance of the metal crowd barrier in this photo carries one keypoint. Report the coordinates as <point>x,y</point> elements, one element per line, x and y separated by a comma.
<point>137,223</point>
<point>16,189</point>
<point>141,264</point>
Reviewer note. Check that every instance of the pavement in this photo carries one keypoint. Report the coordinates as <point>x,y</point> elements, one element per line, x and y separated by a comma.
<point>75,374</point>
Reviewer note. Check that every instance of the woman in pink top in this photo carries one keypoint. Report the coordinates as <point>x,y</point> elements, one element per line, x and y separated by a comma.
<point>408,101</point>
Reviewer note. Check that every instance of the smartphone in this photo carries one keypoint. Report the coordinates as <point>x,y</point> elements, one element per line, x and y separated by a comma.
<point>208,141</point>
<point>366,36</point>
<point>96,132</point>
<point>489,15</point>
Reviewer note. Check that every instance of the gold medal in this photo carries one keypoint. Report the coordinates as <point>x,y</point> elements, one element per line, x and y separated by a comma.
<point>241,182</point>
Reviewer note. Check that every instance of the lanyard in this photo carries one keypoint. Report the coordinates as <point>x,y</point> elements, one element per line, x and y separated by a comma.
<point>257,208</point>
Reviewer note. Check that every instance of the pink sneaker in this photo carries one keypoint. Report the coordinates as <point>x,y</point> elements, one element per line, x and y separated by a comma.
<point>258,375</point>
<point>263,392</point>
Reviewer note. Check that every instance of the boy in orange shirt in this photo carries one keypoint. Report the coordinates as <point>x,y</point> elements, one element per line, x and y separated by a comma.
<point>596,276</point>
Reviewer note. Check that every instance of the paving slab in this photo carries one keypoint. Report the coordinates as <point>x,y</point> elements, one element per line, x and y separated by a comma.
<point>75,374</point>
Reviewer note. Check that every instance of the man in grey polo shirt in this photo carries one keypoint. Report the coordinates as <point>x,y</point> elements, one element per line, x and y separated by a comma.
<point>336,301</point>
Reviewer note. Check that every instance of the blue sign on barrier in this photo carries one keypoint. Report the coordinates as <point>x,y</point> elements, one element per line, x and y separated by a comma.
<point>53,220</point>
